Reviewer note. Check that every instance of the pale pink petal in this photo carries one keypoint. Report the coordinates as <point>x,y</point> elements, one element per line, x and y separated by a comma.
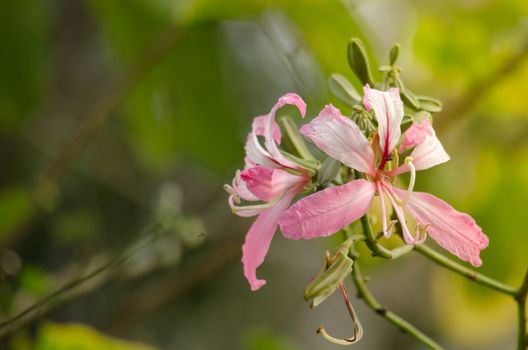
<point>426,155</point>
<point>267,183</point>
<point>429,153</point>
<point>256,155</point>
<point>428,150</point>
<point>271,146</point>
<point>326,212</point>
<point>259,126</point>
<point>258,239</point>
<point>416,134</point>
<point>388,108</point>
<point>241,188</point>
<point>454,231</point>
<point>340,138</point>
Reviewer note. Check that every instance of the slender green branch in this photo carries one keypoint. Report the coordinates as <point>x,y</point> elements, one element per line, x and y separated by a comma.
<point>370,300</point>
<point>460,269</point>
<point>520,298</point>
<point>378,250</point>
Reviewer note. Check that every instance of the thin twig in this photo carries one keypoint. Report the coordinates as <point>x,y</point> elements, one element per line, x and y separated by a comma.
<point>370,300</point>
<point>460,269</point>
<point>378,250</point>
<point>520,298</point>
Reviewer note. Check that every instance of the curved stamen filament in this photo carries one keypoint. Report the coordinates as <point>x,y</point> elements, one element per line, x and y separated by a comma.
<point>250,210</point>
<point>386,233</point>
<point>412,169</point>
<point>420,233</point>
<point>412,180</point>
<point>358,329</point>
<point>409,239</point>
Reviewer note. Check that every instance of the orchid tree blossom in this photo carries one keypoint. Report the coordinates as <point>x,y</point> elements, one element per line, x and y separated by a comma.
<point>324,213</point>
<point>268,177</point>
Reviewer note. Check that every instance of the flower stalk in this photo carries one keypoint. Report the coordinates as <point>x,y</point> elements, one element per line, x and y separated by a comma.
<point>365,294</point>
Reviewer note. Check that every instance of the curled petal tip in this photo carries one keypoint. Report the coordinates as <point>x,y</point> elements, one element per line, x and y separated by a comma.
<point>293,99</point>
<point>257,284</point>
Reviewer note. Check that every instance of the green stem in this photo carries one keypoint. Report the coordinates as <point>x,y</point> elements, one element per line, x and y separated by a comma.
<point>520,298</point>
<point>370,300</point>
<point>378,250</point>
<point>474,276</point>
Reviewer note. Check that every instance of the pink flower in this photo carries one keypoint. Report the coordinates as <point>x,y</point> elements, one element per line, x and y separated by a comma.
<point>325,212</point>
<point>269,177</point>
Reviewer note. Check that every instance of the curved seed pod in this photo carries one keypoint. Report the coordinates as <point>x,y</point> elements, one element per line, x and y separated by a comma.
<point>335,270</point>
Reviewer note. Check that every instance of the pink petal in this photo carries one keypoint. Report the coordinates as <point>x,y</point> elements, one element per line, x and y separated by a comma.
<point>326,212</point>
<point>259,124</point>
<point>340,138</point>
<point>267,183</point>
<point>428,150</point>
<point>291,99</point>
<point>388,107</point>
<point>429,153</point>
<point>241,189</point>
<point>258,239</point>
<point>255,154</point>
<point>454,231</point>
<point>426,155</point>
<point>416,134</point>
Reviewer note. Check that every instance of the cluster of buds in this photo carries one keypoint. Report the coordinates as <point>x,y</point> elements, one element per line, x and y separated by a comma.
<point>370,145</point>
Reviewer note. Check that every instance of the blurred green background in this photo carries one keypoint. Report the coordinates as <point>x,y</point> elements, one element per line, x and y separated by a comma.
<point>121,120</point>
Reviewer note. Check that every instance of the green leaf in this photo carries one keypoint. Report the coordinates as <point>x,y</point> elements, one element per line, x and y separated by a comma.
<point>336,269</point>
<point>262,339</point>
<point>429,104</point>
<point>329,170</point>
<point>409,99</point>
<point>394,53</point>
<point>343,90</point>
<point>52,336</point>
<point>358,61</point>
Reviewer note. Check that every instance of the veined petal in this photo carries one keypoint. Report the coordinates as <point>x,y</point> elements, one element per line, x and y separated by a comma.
<point>258,239</point>
<point>259,126</point>
<point>426,155</point>
<point>340,138</point>
<point>324,213</point>
<point>454,231</point>
<point>255,154</point>
<point>388,107</point>
<point>271,145</point>
<point>240,188</point>
<point>427,152</point>
<point>267,183</point>
<point>416,134</point>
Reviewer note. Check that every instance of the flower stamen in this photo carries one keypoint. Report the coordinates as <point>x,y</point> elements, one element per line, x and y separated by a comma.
<point>386,232</point>
<point>358,329</point>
